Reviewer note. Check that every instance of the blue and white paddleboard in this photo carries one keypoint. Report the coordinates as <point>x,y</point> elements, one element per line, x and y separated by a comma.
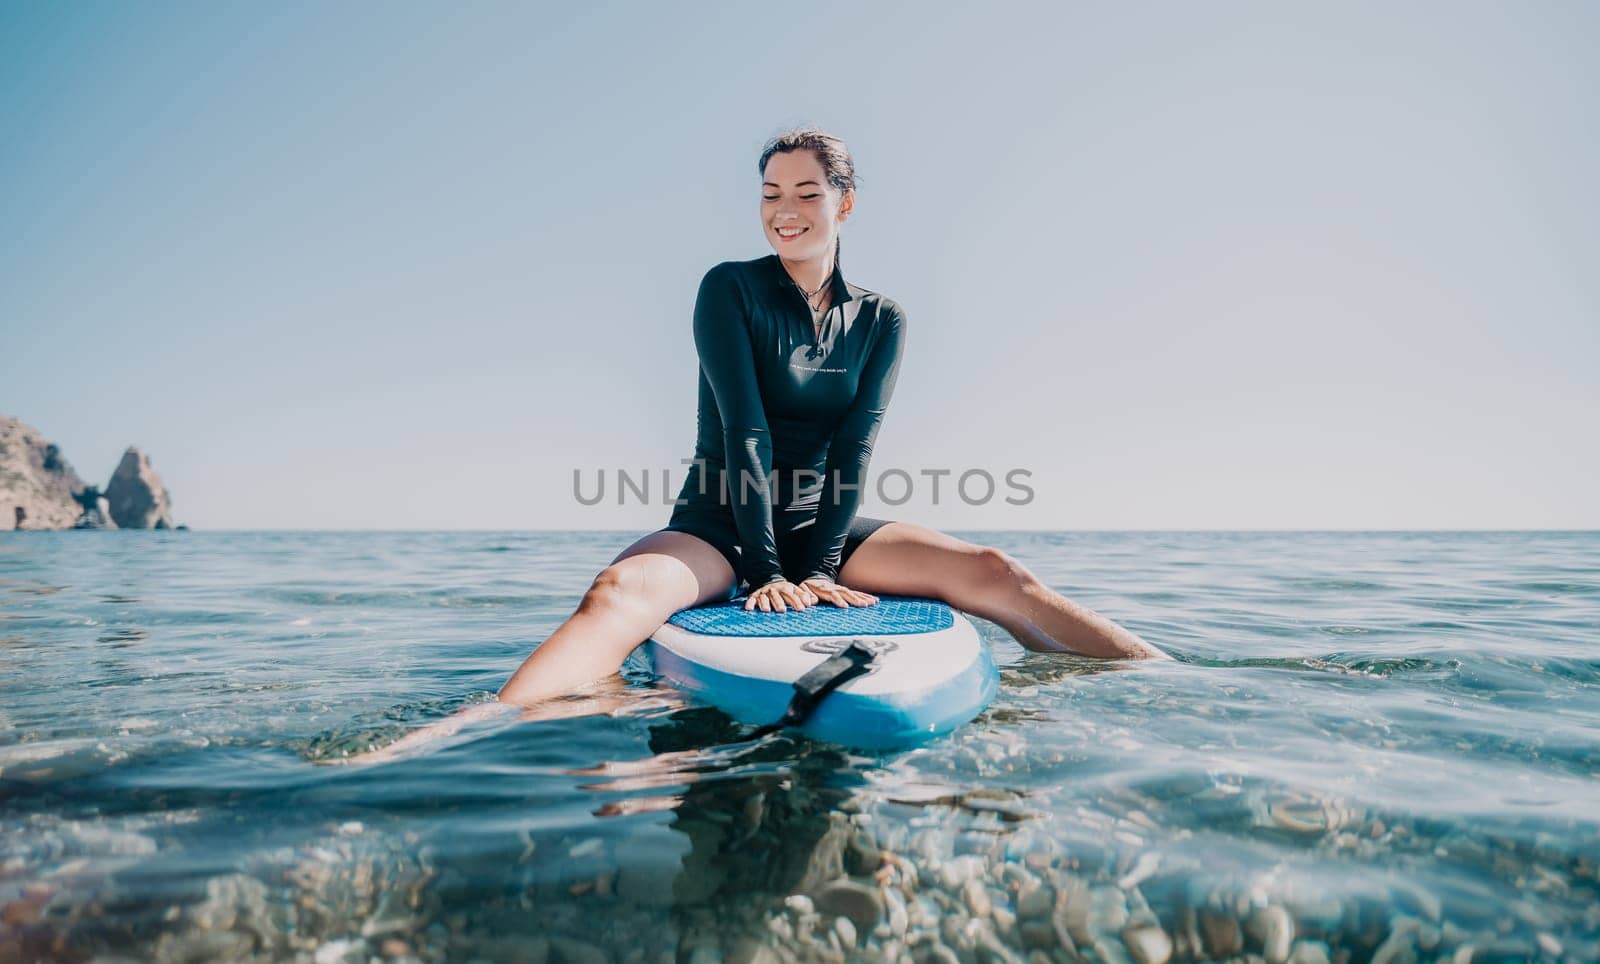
<point>932,672</point>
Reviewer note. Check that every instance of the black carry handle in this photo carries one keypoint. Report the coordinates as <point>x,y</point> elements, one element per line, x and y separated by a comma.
<point>825,677</point>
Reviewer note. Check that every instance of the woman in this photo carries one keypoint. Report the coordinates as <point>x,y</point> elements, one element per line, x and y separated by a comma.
<point>797,369</point>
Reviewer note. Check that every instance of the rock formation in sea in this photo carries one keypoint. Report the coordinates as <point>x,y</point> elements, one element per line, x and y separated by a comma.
<point>138,499</point>
<point>35,477</point>
<point>39,489</point>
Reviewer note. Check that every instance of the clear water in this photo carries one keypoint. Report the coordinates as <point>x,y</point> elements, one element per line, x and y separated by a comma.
<point>1373,746</point>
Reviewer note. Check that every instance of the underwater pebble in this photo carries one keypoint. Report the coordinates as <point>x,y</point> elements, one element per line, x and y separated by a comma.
<point>952,873</point>
<point>1005,922</point>
<point>1108,911</point>
<point>1038,934</point>
<point>587,848</point>
<point>933,952</point>
<point>899,919</point>
<point>1398,947</point>
<point>1309,952</point>
<point>976,897</point>
<point>227,899</point>
<point>334,952</point>
<point>1036,901</point>
<point>1272,926</point>
<point>1148,944</point>
<point>1109,950</point>
<point>994,951</point>
<point>846,898</point>
<point>1074,913</point>
<point>1501,952</point>
<point>846,932</point>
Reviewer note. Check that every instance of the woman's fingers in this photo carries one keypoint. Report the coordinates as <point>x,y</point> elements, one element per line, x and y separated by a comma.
<point>783,596</point>
<point>845,597</point>
<point>779,597</point>
<point>801,596</point>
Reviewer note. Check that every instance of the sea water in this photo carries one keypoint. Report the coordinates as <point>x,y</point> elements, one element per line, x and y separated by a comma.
<point>1371,746</point>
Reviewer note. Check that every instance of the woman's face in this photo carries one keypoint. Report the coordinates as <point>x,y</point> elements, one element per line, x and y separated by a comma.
<point>800,211</point>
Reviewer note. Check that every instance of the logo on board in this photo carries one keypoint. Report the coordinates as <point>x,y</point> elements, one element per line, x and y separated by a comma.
<point>834,645</point>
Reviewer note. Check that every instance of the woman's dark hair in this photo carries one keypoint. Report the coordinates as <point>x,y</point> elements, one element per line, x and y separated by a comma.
<point>830,152</point>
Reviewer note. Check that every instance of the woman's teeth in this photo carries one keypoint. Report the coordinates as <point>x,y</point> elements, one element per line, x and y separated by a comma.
<point>791,232</point>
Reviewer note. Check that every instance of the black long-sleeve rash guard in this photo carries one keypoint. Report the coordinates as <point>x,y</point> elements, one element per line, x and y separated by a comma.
<point>777,396</point>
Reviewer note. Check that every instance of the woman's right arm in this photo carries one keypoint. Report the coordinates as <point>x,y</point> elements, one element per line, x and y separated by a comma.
<point>722,339</point>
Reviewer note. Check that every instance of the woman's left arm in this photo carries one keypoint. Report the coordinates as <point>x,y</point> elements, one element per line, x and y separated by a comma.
<point>851,448</point>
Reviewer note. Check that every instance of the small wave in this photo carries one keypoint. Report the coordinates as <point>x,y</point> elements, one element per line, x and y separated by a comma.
<point>1344,663</point>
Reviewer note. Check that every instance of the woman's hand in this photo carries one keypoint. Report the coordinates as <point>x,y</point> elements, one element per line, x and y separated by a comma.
<point>824,588</point>
<point>779,596</point>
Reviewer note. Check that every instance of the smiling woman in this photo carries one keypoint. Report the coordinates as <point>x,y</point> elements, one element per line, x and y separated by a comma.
<point>797,368</point>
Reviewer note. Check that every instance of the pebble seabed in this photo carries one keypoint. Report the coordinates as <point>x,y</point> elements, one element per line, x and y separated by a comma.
<point>974,877</point>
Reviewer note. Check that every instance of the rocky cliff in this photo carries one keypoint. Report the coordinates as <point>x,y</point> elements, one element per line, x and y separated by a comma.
<point>40,490</point>
<point>35,477</point>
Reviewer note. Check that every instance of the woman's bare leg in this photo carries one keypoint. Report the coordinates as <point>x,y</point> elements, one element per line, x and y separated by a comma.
<point>630,599</point>
<point>427,735</point>
<point>647,582</point>
<point>906,559</point>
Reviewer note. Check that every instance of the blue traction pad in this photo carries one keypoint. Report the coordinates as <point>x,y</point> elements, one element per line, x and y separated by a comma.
<point>890,616</point>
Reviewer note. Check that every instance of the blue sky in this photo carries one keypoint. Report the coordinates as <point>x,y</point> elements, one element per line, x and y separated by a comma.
<point>1232,265</point>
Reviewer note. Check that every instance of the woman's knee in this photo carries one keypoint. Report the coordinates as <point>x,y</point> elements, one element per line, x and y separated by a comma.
<point>629,585</point>
<point>619,585</point>
<point>993,572</point>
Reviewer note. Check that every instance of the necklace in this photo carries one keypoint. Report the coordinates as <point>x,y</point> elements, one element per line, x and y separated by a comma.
<point>816,312</point>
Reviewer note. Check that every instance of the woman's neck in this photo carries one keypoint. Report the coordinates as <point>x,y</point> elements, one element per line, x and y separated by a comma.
<point>810,274</point>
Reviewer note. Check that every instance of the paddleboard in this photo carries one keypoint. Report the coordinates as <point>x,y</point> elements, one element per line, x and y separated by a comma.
<point>931,672</point>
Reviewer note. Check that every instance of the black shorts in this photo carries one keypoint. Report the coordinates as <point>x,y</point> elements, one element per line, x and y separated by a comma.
<point>792,527</point>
